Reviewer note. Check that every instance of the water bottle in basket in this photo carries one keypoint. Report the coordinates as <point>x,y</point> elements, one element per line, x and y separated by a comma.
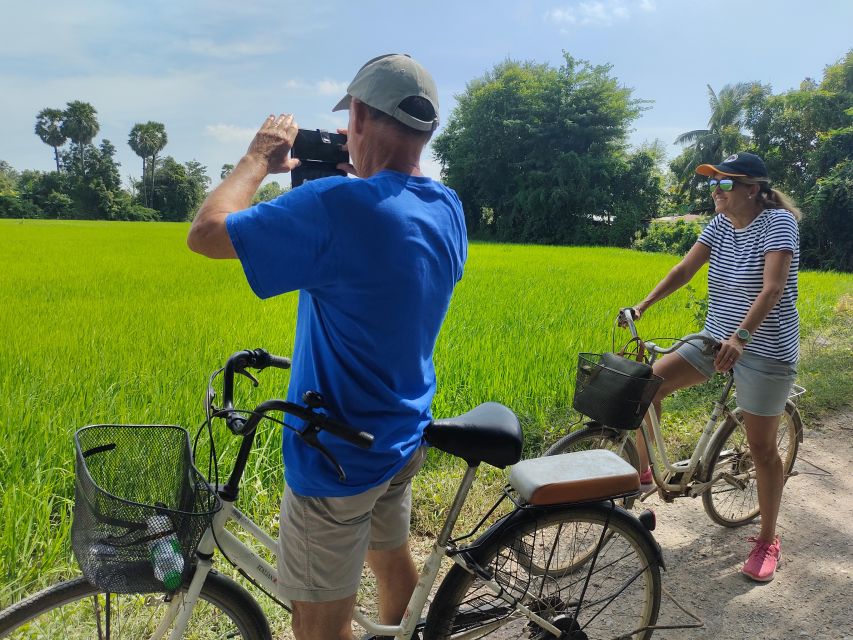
<point>165,552</point>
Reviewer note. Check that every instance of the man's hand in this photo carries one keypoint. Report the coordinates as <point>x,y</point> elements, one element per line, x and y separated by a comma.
<point>346,166</point>
<point>273,142</point>
<point>267,154</point>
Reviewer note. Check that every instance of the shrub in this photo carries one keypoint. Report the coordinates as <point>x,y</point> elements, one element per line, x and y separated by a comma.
<point>668,237</point>
<point>13,206</point>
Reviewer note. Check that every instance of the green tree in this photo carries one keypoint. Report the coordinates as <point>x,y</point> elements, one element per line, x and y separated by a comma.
<point>80,125</point>
<point>43,191</point>
<point>226,171</point>
<point>12,205</point>
<point>268,191</point>
<point>94,187</point>
<point>49,129</point>
<point>806,138</point>
<point>147,140</point>
<point>180,189</point>
<point>534,152</point>
<point>723,136</point>
<point>8,177</point>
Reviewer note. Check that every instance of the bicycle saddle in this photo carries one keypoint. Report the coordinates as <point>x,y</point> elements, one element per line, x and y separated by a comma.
<point>488,433</point>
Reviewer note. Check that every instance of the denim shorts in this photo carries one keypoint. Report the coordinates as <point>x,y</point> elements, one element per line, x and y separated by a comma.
<point>323,541</point>
<point>763,384</point>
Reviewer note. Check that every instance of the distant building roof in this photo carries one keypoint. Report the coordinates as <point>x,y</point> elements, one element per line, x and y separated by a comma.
<point>689,217</point>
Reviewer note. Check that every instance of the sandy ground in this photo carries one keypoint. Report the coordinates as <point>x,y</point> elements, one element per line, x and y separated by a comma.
<point>812,595</point>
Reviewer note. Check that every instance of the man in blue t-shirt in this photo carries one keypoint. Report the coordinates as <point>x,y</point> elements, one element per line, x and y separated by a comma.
<point>375,260</point>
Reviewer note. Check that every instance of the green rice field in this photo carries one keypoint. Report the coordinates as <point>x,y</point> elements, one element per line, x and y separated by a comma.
<point>119,323</point>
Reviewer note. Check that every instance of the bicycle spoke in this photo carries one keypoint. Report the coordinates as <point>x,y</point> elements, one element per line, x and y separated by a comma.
<point>549,569</point>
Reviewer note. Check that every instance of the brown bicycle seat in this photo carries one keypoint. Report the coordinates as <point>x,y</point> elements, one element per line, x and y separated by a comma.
<point>582,476</point>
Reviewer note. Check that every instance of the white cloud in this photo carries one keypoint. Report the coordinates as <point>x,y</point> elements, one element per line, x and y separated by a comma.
<point>232,50</point>
<point>597,12</point>
<point>331,87</point>
<point>324,87</point>
<point>229,133</point>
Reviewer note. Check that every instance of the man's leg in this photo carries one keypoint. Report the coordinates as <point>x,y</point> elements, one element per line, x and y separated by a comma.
<point>388,555</point>
<point>322,546</point>
<point>396,577</point>
<point>323,620</point>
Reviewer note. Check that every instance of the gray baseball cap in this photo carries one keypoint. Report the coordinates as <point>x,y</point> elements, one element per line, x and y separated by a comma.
<point>385,81</point>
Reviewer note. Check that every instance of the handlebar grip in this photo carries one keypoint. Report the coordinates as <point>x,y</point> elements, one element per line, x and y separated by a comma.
<point>345,432</point>
<point>279,362</point>
<point>261,359</point>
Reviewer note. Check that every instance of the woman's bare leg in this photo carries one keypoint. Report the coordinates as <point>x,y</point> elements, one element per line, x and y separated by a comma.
<point>677,374</point>
<point>761,434</point>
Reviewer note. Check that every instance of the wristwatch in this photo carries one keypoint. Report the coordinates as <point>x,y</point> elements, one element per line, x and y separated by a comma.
<point>743,335</point>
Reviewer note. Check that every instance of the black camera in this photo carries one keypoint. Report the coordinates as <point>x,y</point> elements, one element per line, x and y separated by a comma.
<point>320,153</point>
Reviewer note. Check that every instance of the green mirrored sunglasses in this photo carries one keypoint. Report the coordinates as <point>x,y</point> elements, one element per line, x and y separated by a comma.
<point>726,184</point>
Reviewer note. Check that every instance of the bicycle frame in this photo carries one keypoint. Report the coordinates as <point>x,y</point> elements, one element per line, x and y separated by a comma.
<point>684,471</point>
<point>265,574</point>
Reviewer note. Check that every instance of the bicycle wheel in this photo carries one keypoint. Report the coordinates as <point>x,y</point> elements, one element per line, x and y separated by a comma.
<point>622,595</point>
<point>76,610</point>
<point>732,501</point>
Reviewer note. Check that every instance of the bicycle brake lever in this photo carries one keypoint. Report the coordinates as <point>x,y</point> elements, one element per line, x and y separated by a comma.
<point>254,380</point>
<point>309,436</point>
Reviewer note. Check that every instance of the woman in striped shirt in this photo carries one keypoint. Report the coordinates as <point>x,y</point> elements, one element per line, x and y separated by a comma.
<point>752,245</point>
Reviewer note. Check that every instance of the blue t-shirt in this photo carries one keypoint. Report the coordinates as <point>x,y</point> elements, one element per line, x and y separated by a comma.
<point>375,261</point>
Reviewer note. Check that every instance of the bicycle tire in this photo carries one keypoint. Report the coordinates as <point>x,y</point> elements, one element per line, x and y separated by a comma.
<point>727,502</point>
<point>75,610</point>
<point>623,594</point>
<point>597,436</point>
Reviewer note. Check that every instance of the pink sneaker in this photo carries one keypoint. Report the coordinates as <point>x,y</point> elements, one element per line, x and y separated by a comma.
<point>647,480</point>
<point>763,559</point>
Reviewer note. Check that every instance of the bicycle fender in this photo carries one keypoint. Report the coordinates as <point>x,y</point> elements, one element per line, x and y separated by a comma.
<point>791,408</point>
<point>238,595</point>
<point>524,515</point>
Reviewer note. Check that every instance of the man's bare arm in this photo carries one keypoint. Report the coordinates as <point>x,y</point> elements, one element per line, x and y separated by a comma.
<point>267,154</point>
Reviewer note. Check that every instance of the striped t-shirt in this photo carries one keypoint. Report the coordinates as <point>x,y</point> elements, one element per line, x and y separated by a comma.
<point>736,275</point>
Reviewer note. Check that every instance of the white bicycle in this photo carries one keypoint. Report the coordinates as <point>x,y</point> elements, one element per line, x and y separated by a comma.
<point>564,562</point>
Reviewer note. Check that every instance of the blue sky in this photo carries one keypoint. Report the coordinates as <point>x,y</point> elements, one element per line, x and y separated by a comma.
<point>211,71</point>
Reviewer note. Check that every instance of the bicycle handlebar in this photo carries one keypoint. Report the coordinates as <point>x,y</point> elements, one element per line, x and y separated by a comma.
<point>626,318</point>
<point>259,359</point>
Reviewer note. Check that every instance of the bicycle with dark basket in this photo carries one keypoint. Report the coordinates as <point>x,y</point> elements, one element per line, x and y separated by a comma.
<point>614,392</point>
<point>564,561</point>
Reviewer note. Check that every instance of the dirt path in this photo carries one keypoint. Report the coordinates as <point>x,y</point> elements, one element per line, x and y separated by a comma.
<point>812,595</point>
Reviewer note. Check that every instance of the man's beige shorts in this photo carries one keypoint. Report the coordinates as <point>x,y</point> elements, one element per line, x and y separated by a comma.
<point>323,541</point>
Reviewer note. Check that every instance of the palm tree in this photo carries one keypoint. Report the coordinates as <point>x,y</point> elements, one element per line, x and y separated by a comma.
<point>49,129</point>
<point>137,143</point>
<point>80,125</point>
<point>722,137</point>
<point>147,140</point>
